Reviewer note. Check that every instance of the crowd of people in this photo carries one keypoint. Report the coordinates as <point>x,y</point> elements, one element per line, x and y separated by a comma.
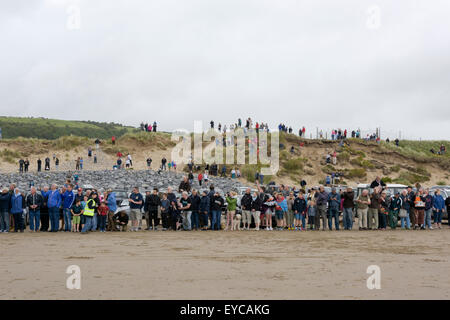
<point>148,127</point>
<point>73,209</point>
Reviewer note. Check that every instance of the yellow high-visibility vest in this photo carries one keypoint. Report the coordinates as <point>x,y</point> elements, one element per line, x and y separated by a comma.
<point>89,212</point>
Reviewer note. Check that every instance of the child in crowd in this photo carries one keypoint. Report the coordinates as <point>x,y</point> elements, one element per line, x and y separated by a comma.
<point>121,220</point>
<point>77,210</point>
<point>311,214</point>
<point>165,204</point>
<point>82,218</point>
<point>300,212</point>
<point>280,209</point>
<point>102,214</point>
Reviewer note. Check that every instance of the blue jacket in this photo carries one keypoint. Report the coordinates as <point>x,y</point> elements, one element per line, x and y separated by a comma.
<point>68,197</point>
<point>204,204</point>
<point>439,203</point>
<point>5,201</point>
<point>283,205</point>
<point>112,202</point>
<point>16,203</point>
<point>54,199</point>
<point>334,204</point>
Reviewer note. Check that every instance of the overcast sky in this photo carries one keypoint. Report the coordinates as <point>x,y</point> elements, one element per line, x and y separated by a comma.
<point>318,63</point>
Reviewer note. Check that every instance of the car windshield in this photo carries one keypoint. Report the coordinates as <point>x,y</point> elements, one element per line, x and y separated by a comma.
<point>121,194</point>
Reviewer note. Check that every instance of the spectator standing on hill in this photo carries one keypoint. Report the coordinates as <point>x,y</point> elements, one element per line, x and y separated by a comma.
<point>56,163</point>
<point>129,158</point>
<point>21,164</point>
<point>113,140</point>
<point>89,152</point>
<point>163,163</point>
<point>377,183</point>
<point>39,165</point>
<point>95,158</point>
<point>154,126</point>
<point>26,164</point>
<point>149,162</point>
<point>97,143</point>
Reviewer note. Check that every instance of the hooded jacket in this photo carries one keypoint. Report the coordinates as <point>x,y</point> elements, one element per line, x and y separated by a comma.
<point>246,201</point>
<point>68,197</point>
<point>54,199</point>
<point>5,201</point>
<point>112,202</point>
<point>204,204</point>
<point>16,203</point>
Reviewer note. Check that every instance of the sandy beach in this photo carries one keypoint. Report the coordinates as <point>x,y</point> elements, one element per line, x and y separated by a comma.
<point>227,265</point>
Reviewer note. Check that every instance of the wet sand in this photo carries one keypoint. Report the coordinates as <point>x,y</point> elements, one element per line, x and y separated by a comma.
<point>227,265</point>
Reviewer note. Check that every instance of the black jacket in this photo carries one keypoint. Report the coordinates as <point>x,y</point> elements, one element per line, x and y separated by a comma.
<point>217,203</point>
<point>5,201</point>
<point>246,202</point>
<point>195,202</point>
<point>257,203</point>
<point>152,202</point>
<point>184,186</point>
<point>36,199</point>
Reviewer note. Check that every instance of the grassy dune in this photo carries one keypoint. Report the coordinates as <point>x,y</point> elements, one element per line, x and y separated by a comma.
<point>42,128</point>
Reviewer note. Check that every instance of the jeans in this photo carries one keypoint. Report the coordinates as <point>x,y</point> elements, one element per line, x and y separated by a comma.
<point>195,220</point>
<point>334,213</point>
<point>204,217</point>
<point>371,216</point>
<point>428,218</point>
<point>67,219</point>
<point>408,222</point>
<point>348,218</point>
<point>102,222</point>
<point>303,218</point>
<point>18,221</point>
<point>94,222</point>
<point>4,221</point>
<point>438,217</point>
<point>381,220</point>
<point>88,224</point>
<point>35,220</point>
<point>187,220</point>
<point>215,223</point>
<point>321,213</point>
<point>54,219</point>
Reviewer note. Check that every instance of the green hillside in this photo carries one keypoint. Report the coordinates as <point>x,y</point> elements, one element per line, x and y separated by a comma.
<point>42,128</point>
